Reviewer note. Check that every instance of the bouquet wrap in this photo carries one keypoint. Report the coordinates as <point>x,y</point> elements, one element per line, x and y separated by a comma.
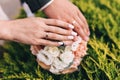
<point>62,59</point>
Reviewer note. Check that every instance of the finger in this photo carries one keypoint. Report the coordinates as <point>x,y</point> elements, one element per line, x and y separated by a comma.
<point>77,28</point>
<point>54,36</point>
<point>82,25</point>
<point>59,23</point>
<point>58,30</point>
<point>81,32</point>
<point>68,19</point>
<point>81,16</point>
<point>47,42</point>
<point>40,34</point>
<point>68,43</point>
<point>84,21</point>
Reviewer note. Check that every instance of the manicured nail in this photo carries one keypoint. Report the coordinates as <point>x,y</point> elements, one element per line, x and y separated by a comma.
<point>60,43</point>
<point>74,33</point>
<point>71,26</point>
<point>70,37</point>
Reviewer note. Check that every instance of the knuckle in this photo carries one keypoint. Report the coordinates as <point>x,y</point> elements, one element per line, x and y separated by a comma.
<point>82,24</point>
<point>56,21</point>
<point>54,29</point>
<point>49,43</point>
<point>69,32</point>
<point>54,36</point>
<point>78,28</point>
<point>35,42</point>
<point>63,37</point>
<point>66,32</point>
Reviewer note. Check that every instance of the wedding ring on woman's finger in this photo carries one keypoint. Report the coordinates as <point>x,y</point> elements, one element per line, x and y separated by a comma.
<point>46,36</point>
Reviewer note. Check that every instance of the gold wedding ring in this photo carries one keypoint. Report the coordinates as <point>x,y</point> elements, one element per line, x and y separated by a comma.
<point>73,22</point>
<point>46,35</point>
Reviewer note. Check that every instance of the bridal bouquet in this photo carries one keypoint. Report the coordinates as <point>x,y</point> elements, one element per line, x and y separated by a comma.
<point>62,59</point>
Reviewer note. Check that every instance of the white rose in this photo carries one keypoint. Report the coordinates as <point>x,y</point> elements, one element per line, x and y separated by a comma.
<point>54,51</point>
<point>45,57</point>
<point>79,40</point>
<point>68,48</point>
<point>76,44</point>
<point>58,64</point>
<point>67,57</point>
<point>54,70</point>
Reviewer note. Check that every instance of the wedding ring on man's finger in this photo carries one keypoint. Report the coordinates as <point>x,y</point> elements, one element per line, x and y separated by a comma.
<point>73,22</point>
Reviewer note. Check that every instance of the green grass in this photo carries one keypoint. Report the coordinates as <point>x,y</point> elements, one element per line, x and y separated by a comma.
<point>102,61</point>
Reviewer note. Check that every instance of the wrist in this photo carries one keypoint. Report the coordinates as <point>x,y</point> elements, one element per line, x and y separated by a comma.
<point>5,30</point>
<point>48,8</point>
<point>46,5</point>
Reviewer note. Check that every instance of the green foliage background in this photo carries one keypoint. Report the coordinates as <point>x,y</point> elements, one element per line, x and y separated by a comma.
<point>102,62</point>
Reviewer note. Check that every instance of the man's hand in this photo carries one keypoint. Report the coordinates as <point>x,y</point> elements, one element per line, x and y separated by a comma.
<point>66,11</point>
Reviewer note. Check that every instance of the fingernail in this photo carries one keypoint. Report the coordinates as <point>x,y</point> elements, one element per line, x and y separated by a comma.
<point>70,37</point>
<point>71,26</point>
<point>88,33</point>
<point>60,43</point>
<point>74,33</point>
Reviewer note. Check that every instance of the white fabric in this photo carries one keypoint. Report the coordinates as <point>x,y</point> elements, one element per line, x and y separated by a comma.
<point>27,10</point>
<point>3,16</point>
<point>11,8</point>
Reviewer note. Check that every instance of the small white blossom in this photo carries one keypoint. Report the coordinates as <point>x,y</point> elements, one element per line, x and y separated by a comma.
<point>54,51</point>
<point>45,57</point>
<point>67,57</point>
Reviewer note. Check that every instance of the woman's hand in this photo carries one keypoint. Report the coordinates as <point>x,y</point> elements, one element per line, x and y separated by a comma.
<point>66,11</point>
<point>39,31</point>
